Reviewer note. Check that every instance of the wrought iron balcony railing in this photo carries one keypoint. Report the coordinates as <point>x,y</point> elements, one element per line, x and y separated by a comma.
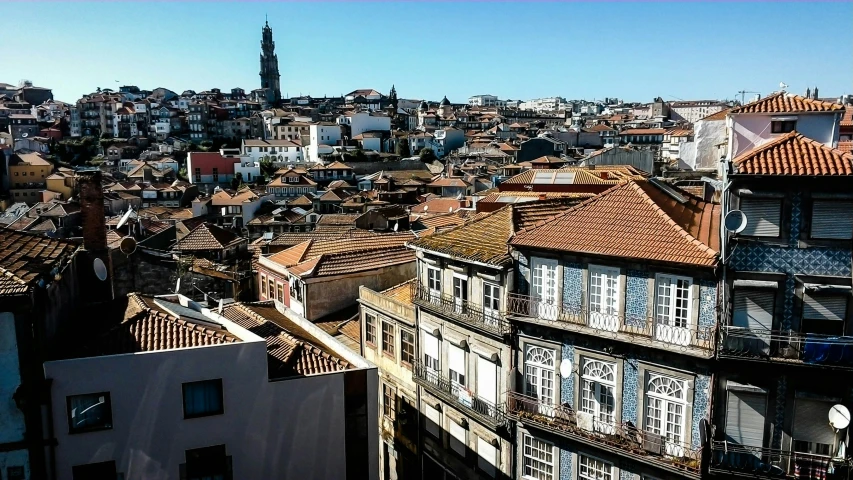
<point>633,327</point>
<point>733,459</point>
<point>786,346</point>
<point>622,438</point>
<point>457,395</point>
<point>464,311</point>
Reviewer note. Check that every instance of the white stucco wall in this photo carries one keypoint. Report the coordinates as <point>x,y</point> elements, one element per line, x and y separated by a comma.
<point>702,152</point>
<point>286,429</point>
<point>751,131</point>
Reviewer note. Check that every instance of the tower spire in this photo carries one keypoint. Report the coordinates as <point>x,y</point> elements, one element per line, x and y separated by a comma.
<point>269,65</point>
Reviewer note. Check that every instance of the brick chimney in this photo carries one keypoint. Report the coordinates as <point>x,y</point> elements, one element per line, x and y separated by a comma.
<point>92,211</point>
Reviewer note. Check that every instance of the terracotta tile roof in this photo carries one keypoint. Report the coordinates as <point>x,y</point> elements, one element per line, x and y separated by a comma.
<point>847,119</point>
<point>522,197</point>
<point>330,264</point>
<point>787,103</point>
<point>402,292</point>
<point>336,165</point>
<point>291,350</point>
<point>443,220</point>
<point>714,117</point>
<point>440,205</point>
<point>339,184</point>
<point>280,182</point>
<point>337,219</point>
<point>547,160</point>
<point>206,236</point>
<point>485,239</point>
<point>302,201</point>
<point>794,154</point>
<point>147,328</point>
<point>845,146</point>
<point>333,196</point>
<point>643,131</point>
<point>352,330</point>
<point>635,220</point>
<point>334,257</point>
<point>449,182</point>
<point>599,128</point>
<point>25,257</point>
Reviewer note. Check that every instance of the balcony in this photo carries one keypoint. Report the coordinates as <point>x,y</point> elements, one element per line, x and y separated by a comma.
<point>785,346</point>
<point>621,438</point>
<point>731,459</point>
<point>463,311</point>
<point>648,330</point>
<point>458,396</point>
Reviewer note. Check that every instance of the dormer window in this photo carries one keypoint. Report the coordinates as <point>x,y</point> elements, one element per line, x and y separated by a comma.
<point>783,125</point>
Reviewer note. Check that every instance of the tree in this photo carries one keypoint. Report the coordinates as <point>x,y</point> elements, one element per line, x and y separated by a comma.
<point>427,155</point>
<point>403,148</point>
<point>237,181</point>
<point>267,167</point>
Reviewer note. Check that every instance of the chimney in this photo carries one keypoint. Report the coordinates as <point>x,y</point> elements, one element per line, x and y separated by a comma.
<point>92,211</point>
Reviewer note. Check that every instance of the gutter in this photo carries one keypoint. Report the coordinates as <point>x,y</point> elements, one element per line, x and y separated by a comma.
<point>451,257</point>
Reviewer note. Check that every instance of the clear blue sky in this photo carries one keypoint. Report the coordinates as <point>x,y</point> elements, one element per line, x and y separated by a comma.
<point>634,51</point>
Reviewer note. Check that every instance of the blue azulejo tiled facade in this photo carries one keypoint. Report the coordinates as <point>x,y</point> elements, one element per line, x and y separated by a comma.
<point>636,297</point>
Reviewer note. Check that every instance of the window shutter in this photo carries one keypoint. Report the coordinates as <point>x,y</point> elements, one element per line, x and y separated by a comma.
<point>487,457</point>
<point>430,345</point>
<point>745,418</point>
<point>833,220</point>
<point>433,425</point>
<point>811,421</point>
<point>763,216</point>
<point>457,438</point>
<point>825,307</point>
<point>455,359</point>
<point>487,380</point>
<point>753,309</point>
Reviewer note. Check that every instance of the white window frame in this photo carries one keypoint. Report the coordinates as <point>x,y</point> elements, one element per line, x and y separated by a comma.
<point>598,392</point>
<point>592,468</point>
<point>670,327</point>
<point>460,293</point>
<point>604,303</point>
<point>491,303</point>
<point>666,405</point>
<point>430,362</point>
<point>537,459</point>
<point>434,283</point>
<point>545,287</point>
<point>539,375</point>
<point>456,377</point>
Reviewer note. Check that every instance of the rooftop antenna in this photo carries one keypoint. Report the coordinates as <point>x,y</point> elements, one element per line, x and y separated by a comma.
<point>783,86</point>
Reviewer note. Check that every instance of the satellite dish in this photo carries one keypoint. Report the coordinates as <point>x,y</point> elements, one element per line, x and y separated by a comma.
<point>735,221</point>
<point>426,208</point>
<point>124,218</point>
<point>565,368</point>
<point>839,417</point>
<point>783,85</point>
<point>25,135</point>
<point>396,226</point>
<point>127,245</point>
<point>100,269</point>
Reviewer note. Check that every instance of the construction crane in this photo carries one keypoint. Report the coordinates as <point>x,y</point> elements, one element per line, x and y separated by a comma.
<point>743,94</point>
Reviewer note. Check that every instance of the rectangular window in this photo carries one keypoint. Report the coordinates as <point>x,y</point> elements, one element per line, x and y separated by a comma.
<point>604,298</point>
<point>666,407</point>
<point>434,283</point>
<point>370,329</point>
<point>271,288</point>
<point>407,347</point>
<point>215,174</point>
<point>538,459</point>
<point>832,220</point>
<point>487,457</point>
<point>491,303</point>
<point>208,463</point>
<point>745,411</point>
<point>279,292</point>
<point>672,305</point>
<point>753,313</point>
<point>197,174</point>
<point>388,338</point>
<point>824,314</point>
<point>433,423</point>
<point>431,352</point>
<point>487,387</point>
<point>203,398</point>
<point>594,469</point>
<point>457,438</point>
<point>456,364</point>
<point>597,399</point>
<point>763,216</point>
<point>89,412</point>
<point>264,285</point>
<point>389,396</point>
<point>91,471</point>
<point>460,294</point>
<point>783,126</point>
<point>812,433</point>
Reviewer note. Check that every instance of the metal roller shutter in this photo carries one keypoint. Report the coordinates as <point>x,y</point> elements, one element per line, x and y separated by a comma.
<point>753,309</point>
<point>832,219</point>
<point>763,216</point>
<point>811,421</point>
<point>745,418</point>
<point>825,307</point>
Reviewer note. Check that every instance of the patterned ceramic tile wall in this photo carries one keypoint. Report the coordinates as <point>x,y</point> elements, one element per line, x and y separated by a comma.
<point>567,384</point>
<point>701,404</point>
<point>565,464</point>
<point>758,257</point>
<point>630,390</point>
<point>796,219</point>
<point>790,293</point>
<point>626,475</point>
<point>779,418</point>
<point>637,297</point>
<point>572,285</point>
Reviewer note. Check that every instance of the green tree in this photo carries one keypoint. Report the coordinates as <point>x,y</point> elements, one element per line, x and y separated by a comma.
<point>427,155</point>
<point>267,167</point>
<point>237,181</point>
<point>403,148</point>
